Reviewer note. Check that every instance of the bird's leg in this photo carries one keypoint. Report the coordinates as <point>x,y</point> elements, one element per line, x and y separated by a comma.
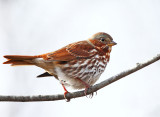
<point>65,92</point>
<point>86,85</point>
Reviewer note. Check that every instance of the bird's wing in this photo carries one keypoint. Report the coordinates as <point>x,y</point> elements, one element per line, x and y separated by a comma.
<point>72,51</point>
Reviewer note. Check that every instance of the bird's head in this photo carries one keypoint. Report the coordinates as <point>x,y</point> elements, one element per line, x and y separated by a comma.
<point>102,38</point>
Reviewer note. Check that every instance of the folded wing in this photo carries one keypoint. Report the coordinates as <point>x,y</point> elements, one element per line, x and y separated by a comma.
<point>73,51</point>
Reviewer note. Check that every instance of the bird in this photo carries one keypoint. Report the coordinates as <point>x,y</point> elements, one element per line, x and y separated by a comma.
<point>77,65</point>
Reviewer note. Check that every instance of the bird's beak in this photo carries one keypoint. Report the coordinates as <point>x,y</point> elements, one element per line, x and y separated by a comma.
<point>112,43</point>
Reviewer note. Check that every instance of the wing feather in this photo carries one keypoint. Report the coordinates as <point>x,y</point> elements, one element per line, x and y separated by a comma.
<point>72,51</point>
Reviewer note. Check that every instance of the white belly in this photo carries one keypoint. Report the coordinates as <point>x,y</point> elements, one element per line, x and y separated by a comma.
<point>89,73</point>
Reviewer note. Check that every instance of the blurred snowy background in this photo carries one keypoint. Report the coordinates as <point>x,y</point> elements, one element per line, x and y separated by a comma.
<point>30,27</point>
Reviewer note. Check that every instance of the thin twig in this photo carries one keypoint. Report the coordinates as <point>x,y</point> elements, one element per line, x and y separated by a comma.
<point>80,93</point>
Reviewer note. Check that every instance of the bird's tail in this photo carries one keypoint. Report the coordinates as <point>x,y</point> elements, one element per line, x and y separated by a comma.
<point>16,60</point>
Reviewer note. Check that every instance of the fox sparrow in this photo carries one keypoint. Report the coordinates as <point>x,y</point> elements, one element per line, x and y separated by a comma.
<point>78,65</point>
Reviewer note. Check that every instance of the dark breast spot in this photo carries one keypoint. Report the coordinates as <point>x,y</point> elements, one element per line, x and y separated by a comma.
<point>62,62</point>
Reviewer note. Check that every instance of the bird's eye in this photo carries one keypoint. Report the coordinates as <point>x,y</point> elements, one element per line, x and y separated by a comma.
<point>102,39</point>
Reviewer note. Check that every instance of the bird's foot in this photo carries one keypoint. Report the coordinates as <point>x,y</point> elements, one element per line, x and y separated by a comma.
<point>87,86</point>
<point>65,93</point>
<point>67,99</point>
<point>89,95</point>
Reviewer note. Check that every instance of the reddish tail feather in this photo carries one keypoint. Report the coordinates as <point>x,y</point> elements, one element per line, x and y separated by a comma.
<point>19,60</point>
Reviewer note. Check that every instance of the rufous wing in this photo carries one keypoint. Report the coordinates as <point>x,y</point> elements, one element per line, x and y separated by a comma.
<point>72,51</point>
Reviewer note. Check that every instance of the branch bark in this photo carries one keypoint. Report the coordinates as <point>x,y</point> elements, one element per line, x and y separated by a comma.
<point>80,93</point>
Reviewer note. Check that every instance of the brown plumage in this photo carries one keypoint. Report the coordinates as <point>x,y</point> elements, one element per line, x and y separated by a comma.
<point>78,65</point>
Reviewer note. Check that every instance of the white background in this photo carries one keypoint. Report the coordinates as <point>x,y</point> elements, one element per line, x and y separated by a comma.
<point>31,27</point>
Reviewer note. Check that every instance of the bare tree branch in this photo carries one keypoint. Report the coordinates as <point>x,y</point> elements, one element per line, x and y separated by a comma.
<point>79,93</point>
